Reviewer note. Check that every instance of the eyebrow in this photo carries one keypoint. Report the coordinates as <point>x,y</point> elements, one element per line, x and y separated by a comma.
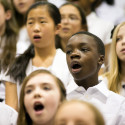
<point>81,44</point>
<point>32,18</point>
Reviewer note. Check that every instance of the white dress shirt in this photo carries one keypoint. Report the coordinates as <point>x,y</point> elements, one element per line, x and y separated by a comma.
<point>110,104</point>
<point>8,116</point>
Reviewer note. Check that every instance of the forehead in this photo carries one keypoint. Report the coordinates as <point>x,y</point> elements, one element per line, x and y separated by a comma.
<point>42,78</point>
<point>82,39</point>
<point>121,30</point>
<point>76,107</point>
<point>69,9</point>
<point>39,11</point>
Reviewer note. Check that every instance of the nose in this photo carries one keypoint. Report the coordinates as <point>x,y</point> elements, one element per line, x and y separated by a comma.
<point>36,27</point>
<point>75,55</point>
<point>65,20</point>
<point>123,42</point>
<point>37,93</point>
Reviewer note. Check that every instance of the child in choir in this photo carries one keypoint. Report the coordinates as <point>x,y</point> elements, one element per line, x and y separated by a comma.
<point>78,112</point>
<point>41,94</point>
<point>73,20</point>
<point>43,23</point>
<point>8,40</point>
<point>85,54</point>
<point>115,77</point>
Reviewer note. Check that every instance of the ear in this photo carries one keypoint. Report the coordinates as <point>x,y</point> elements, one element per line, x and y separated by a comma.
<point>57,30</point>
<point>101,60</point>
<point>8,14</point>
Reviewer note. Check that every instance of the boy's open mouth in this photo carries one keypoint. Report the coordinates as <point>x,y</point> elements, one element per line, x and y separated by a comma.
<point>76,67</point>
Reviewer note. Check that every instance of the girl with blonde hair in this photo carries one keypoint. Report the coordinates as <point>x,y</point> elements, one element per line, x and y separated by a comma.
<point>116,74</point>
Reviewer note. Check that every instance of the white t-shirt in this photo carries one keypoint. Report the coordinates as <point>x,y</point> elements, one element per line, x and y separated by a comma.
<point>99,27</point>
<point>8,116</point>
<point>110,104</point>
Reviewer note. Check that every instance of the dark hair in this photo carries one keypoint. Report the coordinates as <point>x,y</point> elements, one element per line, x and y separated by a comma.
<point>18,69</point>
<point>9,38</point>
<point>98,41</point>
<point>52,9</point>
<point>110,2</point>
<point>112,31</point>
<point>23,117</point>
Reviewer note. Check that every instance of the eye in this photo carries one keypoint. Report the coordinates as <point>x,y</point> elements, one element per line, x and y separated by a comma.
<point>42,21</point>
<point>74,18</point>
<point>68,52</point>
<point>46,88</point>
<point>28,91</point>
<point>118,39</point>
<point>84,49</point>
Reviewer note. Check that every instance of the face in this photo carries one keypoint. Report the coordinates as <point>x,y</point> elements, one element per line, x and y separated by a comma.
<point>82,56</point>
<point>41,27</point>
<point>42,97</point>
<point>71,21</point>
<point>3,14</point>
<point>74,114</point>
<point>23,5</point>
<point>120,45</point>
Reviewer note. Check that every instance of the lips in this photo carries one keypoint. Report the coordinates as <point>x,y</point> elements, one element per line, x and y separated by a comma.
<point>37,38</point>
<point>75,67</point>
<point>21,5</point>
<point>123,50</point>
<point>65,29</point>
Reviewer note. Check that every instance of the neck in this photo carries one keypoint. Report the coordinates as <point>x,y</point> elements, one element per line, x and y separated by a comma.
<point>44,57</point>
<point>64,43</point>
<point>88,82</point>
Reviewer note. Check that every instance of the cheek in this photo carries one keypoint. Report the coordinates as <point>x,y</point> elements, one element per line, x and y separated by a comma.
<point>76,26</point>
<point>53,102</point>
<point>26,102</point>
<point>117,48</point>
<point>29,30</point>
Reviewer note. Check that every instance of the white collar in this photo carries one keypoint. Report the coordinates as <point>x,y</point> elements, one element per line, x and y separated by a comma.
<point>99,91</point>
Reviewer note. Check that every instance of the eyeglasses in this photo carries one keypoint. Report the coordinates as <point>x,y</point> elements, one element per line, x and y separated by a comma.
<point>71,18</point>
